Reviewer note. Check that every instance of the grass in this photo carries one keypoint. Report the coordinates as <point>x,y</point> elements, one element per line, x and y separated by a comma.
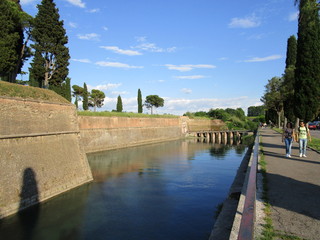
<point>26,92</point>
<point>124,114</point>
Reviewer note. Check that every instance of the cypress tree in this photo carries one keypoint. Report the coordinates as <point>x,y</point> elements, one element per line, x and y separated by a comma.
<point>291,51</point>
<point>287,88</point>
<point>85,95</point>
<point>139,101</point>
<point>50,38</point>
<point>307,72</point>
<point>119,104</point>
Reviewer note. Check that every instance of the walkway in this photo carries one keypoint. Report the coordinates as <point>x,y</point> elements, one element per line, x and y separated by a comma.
<point>294,187</point>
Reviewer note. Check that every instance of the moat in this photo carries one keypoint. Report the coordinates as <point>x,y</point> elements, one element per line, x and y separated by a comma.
<point>160,191</point>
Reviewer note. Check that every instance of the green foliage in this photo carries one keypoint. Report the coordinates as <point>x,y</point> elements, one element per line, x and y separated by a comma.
<point>153,101</point>
<point>11,39</point>
<point>85,95</point>
<point>96,99</point>
<point>77,93</point>
<point>219,114</point>
<point>119,104</point>
<point>51,61</point>
<point>256,111</point>
<point>273,99</point>
<point>307,72</point>
<point>291,52</point>
<point>140,110</point>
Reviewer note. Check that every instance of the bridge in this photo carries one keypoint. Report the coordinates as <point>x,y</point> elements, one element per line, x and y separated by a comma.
<point>220,136</point>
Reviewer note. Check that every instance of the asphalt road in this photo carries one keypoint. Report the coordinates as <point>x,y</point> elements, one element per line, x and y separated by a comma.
<point>315,133</point>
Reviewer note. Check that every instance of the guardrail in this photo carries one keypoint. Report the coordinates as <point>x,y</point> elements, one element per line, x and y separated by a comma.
<point>246,230</point>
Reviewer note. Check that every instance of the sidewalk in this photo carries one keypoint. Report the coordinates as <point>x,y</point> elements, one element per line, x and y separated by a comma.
<point>294,187</point>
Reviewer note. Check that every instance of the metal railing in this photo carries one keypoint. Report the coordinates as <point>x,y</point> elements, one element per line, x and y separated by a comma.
<point>246,230</point>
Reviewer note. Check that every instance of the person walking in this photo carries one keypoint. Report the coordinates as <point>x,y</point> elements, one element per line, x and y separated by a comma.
<point>288,136</point>
<point>303,135</point>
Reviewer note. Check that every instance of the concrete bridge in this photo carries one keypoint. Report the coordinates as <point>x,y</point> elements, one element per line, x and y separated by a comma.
<point>220,136</point>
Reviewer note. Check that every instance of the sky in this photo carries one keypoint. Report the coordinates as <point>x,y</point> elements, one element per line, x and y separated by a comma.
<point>195,54</point>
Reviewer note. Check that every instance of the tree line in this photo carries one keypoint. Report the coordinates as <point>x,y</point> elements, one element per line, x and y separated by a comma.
<point>296,95</point>
<point>49,66</point>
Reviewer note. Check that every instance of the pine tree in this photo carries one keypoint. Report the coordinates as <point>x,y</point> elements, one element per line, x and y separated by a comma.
<point>139,101</point>
<point>85,95</point>
<point>52,56</point>
<point>307,72</point>
<point>119,104</point>
<point>11,39</point>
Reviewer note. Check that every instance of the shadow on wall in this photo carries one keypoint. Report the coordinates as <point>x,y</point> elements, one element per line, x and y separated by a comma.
<point>29,196</point>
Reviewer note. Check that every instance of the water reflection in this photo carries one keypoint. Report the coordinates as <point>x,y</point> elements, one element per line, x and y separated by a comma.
<point>160,191</point>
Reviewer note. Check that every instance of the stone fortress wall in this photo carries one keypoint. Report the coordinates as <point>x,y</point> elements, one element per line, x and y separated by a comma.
<point>40,153</point>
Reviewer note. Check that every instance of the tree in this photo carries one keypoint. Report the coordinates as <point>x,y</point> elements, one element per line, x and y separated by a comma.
<point>119,104</point>
<point>287,89</point>
<point>96,99</point>
<point>51,61</point>
<point>254,111</point>
<point>85,95</point>
<point>11,39</point>
<point>153,101</point>
<point>272,98</point>
<point>77,94</point>
<point>140,110</point>
<point>307,71</point>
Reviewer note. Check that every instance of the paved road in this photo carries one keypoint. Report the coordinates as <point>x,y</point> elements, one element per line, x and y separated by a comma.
<point>294,187</point>
<point>315,133</point>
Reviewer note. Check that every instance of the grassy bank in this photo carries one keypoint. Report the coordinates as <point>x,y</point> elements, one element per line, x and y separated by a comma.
<point>124,114</point>
<point>26,92</point>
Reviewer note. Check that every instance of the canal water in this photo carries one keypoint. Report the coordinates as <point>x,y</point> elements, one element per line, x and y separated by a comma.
<point>160,191</point>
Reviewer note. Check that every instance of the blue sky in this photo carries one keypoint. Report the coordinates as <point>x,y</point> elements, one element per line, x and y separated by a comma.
<point>196,54</point>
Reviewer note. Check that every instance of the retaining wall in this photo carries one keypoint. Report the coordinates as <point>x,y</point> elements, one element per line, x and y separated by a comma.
<point>104,133</point>
<point>40,153</point>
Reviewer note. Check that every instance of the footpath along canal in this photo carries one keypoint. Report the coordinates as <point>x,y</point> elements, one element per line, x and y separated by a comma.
<point>159,191</point>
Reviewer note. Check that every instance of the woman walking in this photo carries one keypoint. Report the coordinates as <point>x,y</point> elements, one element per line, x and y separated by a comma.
<point>304,134</point>
<point>288,136</point>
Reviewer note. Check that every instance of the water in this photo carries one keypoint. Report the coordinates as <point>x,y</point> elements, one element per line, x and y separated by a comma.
<point>160,191</point>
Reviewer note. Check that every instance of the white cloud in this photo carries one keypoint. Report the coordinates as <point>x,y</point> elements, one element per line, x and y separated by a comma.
<point>186,90</point>
<point>77,3</point>
<point>247,22</point>
<point>106,87</point>
<point>121,51</point>
<point>188,67</point>
<point>119,93</point>
<point>191,77</point>
<point>93,10</point>
<point>105,28</point>
<point>73,25</point>
<point>116,65</point>
<point>183,105</point>
<point>89,36</point>
<point>264,59</point>
<point>85,60</point>
<point>293,17</point>
<point>144,45</point>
